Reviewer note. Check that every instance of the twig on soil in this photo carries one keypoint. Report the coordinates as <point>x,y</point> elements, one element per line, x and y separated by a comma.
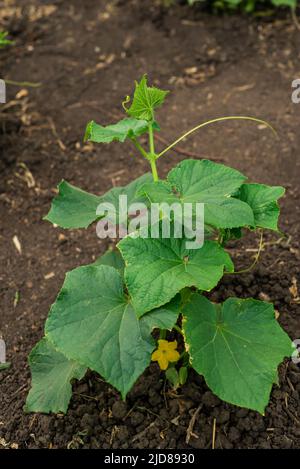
<point>18,391</point>
<point>23,84</point>
<point>32,421</point>
<point>85,396</point>
<point>292,416</point>
<point>129,412</point>
<point>150,412</point>
<point>142,433</point>
<point>295,19</point>
<point>164,394</point>
<point>54,131</point>
<point>113,434</point>
<point>214,434</point>
<point>190,428</point>
<point>290,383</point>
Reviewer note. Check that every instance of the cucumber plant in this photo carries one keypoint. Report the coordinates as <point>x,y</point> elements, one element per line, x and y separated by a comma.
<point>105,314</point>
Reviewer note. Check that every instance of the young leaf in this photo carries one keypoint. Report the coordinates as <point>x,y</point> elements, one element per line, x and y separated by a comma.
<point>125,128</point>
<point>173,377</point>
<point>145,100</point>
<point>263,201</point>
<point>203,181</point>
<point>93,321</point>
<point>236,347</point>
<point>52,373</point>
<point>157,269</point>
<point>3,39</point>
<point>75,208</point>
<point>183,375</point>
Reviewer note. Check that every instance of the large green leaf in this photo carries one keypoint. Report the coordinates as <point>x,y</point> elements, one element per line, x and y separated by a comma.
<point>163,318</point>
<point>113,258</point>
<point>145,100</point>
<point>52,373</point>
<point>263,201</point>
<point>203,181</point>
<point>157,269</point>
<point>93,321</point>
<point>75,208</point>
<point>125,128</point>
<point>236,347</point>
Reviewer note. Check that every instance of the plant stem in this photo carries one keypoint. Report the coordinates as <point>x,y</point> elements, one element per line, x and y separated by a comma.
<point>154,170</point>
<point>140,148</point>
<point>152,155</point>
<point>162,334</point>
<point>212,121</point>
<point>26,84</point>
<point>177,328</point>
<point>151,140</point>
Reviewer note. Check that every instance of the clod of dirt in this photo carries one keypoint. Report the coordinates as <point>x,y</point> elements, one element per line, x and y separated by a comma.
<point>119,410</point>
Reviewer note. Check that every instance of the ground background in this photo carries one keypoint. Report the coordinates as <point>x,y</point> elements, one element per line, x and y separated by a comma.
<point>86,56</point>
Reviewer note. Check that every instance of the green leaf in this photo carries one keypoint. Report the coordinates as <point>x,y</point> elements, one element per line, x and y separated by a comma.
<point>164,317</point>
<point>263,201</point>
<point>113,258</point>
<point>157,269</point>
<point>93,321</point>
<point>52,373</point>
<point>183,375</point>
<point>203,181</point>
<point>75,208</point>
<point>289,3</point>
<point>173,377</point>
<point>131,191</point>
<point>125,128</point>
<point>5,366</point>
<point>145,100</point>
<point>237,347</point>
<point>3,39</point>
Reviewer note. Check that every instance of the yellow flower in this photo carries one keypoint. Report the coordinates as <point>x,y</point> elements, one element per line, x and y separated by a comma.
<point>165,353</point>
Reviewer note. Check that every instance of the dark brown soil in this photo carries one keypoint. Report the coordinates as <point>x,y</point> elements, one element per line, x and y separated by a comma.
<point>86,55</point>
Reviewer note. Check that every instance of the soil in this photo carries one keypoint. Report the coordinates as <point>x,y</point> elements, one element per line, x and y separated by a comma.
<point>86,56</point>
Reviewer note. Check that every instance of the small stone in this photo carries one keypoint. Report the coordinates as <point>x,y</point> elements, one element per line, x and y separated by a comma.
<point>210,400</point>
<point>223,442</point>
<point>136,419</point>
<point>234,434</point>
<point>223,417</point>
<point>119,410</point>
<point>198,443</point>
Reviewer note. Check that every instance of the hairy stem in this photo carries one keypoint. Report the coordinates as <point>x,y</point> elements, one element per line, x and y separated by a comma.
<point>140,148</point>
<point>154,170</point>
<point>212,121</point>
<point>152,155</point>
